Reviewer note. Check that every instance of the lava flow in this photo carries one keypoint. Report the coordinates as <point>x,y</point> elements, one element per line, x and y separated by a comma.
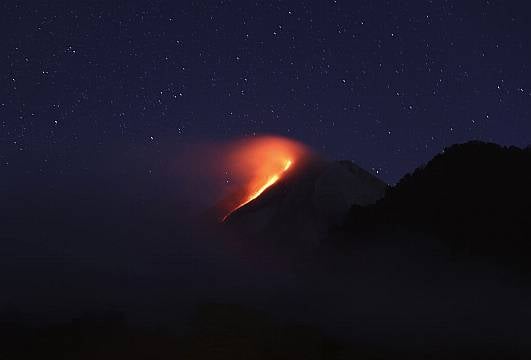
<point>258,163</point>
<point>270,181</point>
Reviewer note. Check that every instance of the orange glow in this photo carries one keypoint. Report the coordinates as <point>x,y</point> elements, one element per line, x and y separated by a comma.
<point>258,163</point>
<point>272,179</point>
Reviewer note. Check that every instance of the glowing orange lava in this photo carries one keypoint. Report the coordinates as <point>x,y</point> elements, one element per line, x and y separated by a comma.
<point>272,179</point>
<point>258,163</point>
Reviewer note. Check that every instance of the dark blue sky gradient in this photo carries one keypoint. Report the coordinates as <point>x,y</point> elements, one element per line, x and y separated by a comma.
<point>387,84</point>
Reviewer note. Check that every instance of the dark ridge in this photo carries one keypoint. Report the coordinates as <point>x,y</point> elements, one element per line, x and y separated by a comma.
<point>476,197</point>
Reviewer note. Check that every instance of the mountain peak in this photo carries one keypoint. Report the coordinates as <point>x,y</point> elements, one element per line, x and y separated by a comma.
<point>305,204</point>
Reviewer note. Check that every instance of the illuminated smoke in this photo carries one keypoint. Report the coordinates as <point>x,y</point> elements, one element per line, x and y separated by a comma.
<point>256,164</point>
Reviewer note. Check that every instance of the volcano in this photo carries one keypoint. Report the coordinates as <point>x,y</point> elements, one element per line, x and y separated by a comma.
<point>306,201</point>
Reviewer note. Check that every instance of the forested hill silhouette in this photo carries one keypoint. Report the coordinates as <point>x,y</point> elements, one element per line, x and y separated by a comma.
<point>475,196</point>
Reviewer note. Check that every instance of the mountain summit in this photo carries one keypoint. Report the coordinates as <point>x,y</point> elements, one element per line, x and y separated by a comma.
<point>304,204</point>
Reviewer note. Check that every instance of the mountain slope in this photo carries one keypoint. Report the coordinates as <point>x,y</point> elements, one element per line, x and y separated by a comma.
<point>475,196</point>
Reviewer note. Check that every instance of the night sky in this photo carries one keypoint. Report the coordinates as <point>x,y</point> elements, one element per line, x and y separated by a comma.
<point>387,84</point>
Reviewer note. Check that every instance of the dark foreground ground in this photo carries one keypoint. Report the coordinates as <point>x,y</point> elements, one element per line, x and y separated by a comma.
<point>217,332</point>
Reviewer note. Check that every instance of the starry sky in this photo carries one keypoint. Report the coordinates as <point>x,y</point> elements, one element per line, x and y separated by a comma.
<point>387,84</point>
